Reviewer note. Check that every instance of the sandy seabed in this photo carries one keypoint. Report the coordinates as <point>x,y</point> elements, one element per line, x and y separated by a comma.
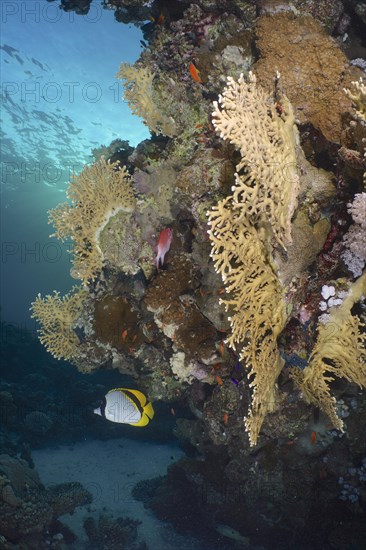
<point>109,470</point>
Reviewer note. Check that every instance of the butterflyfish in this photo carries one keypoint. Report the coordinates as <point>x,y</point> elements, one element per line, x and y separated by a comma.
<point>126,407</point>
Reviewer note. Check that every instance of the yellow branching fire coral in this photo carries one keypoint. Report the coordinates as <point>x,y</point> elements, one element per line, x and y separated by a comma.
<point>98,193</point>
<point>340,352</point>
<point>140,96</point>
<point>358,97</point>
<point>256,305</point>
<point>58,316</point>
<point>261,207</point>
<point>265,134</point>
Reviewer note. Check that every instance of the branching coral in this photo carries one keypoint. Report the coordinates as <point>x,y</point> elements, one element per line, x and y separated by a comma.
<point>340,352</point>
<point>98,193</point>
<point>57,316</point>
<point>262,204</point>
<point>140,96</point>
<point>358,97</point>
<point>256,305</point>
<point>267,191</point>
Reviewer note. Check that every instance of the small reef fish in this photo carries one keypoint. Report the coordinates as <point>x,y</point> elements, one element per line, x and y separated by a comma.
<point>164,242</point>
<point>222,348</point>
<point>126,407</point>
<point>313,438</point>
<point>193,71</point>
<point>219,380</point>
<point>157,20</point>
<point>160,20</point>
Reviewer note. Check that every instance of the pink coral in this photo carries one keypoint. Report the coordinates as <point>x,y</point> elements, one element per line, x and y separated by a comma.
<point>355,239</point>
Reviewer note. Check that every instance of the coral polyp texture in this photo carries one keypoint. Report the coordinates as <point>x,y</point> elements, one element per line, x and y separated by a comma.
<point>140,96</point>
<point>357,94</point>
<point>287,43</point>
<point>242,226</point>
<point>267,191</point>
<point>355,239</point>
<point>340,351</point>
<point>58,316</point>
<point>97,194</point>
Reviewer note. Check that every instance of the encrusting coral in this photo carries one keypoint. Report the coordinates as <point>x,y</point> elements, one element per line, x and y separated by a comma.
<point>339,352</point>
<point>57,316</point>
<point>98,193</point>
<point>286,43</point>
<point>242,225</point>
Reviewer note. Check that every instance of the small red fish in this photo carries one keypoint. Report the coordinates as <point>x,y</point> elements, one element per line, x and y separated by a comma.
<point>313,438</point>
<point>164,242</point>
<point>160,19</point>
<point>193,71</point>
<point>219,380</point>
<point>123,335</point>
<point>226,418</point>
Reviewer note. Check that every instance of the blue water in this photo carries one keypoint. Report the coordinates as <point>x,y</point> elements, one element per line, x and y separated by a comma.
<point>60,100</point>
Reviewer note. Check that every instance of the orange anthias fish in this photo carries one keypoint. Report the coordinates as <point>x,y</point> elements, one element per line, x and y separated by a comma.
<point>219,380</point>
<point>159,20</point>
<point>193,71</point>
<point>313,438</point>
<point>164,242</point>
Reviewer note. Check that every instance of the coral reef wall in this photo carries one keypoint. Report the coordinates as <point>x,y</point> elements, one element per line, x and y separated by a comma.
<point>255,321</point>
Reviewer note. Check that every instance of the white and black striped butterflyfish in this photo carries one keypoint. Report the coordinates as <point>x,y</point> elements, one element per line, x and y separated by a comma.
<point>126,407</point>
